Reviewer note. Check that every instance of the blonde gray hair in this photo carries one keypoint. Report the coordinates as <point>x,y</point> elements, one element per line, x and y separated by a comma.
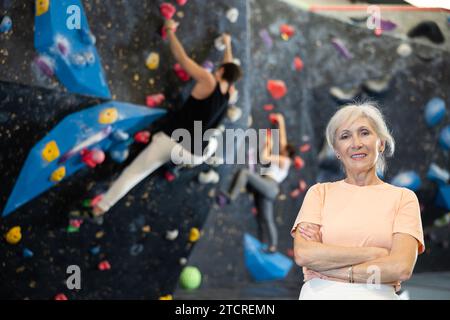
<point>367,110</point>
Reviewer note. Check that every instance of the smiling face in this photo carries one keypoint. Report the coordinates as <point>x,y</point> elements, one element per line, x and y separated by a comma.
<point>358,146</point>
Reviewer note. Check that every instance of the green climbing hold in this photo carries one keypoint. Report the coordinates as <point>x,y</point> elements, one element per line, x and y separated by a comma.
<point>190,278</point>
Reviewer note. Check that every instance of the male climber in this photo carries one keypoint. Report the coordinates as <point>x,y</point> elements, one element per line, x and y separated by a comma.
<point>208,103</point>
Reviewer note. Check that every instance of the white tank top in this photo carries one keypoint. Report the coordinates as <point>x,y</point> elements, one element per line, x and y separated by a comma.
<point>276,173</point>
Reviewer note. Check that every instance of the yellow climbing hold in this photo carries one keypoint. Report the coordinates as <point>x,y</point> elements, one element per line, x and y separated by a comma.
<point>108,116</point>
<point>42,7</point>
<point>51,151</point>
<point>194,235</point>
<point>167,297</point>
<point>58,174</point>
<point>13,236</point>
<point>152,61</point>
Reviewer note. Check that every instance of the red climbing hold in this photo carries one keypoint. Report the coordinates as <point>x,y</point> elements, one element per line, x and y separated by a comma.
<point>287,30</point>
<point>76,223</point>
<point>155,100</point>
<point>104,265</point>
<point>298,64</point>
<point>299,163</point>
<point>254,211</point>
<point>169,176</point>
<point>295,193</point>
<point>181,2</point>
<point>302,185</point>
<point>96,200</point>
<point>268,107</point>
<point>60,297</point>
<point>273,118</point>
<point>305,147</point>
<point>92,158</point>
<point>167,10</point>
<point>277,88</point>
<point>181,73</point>
<point>378,32</point>
<point>142,137</point>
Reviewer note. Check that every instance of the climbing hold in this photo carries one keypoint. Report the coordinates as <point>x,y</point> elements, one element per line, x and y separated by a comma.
<point>183,261</point>
<point>295,193</point>
<point>190,278</point>
<point>208,65</point>
<point>168,296</point>
<point>78,60</point>
<point>96,200</point>
<point>87,37</point>
<point>58,174</point>
<point>155,100</point>
<point>62,46</point>
<point>268,107</point>
<point>167,10</point>
<point>219,44</point>
<point>42,7</point>
<point>409,179</point>
<point>435,111</point>
<point>298,64</point>
<point>142,137</point>
<point>267,40</point>
<point>171,235</point>
<point>221,200</point>
<point>119,153</point>
<point>234,97</point>
<point>181,73</point>
<point>5,24</point>
<point>378,86</point>
<point>72,229</point>
<point>277,88</point>
<point>437,174</point>
<point>286,31</point>
<point>152,61</point>
<point>194,235</point>
<point>442,221</point>
<point>404,50</point>
<point>92,158</point>
<point>428,29</point>
<point>302,185</point>
<point>45,65</point>
<point>120,135</point>
<point>104,266</point>
<point>27,253</point>
<point>108,116</point>
<point>232,15</point>
<point>76,223</point>
<point>164,32</point>
<point>14,235</point>
<point>182,2</point>
<point>146,229</point>
<point>169,176</point>
<point>99,234</point>
<point>208,177</point>
<point>305,147</point>
<point>378,32</point>
<point>234,113</point>
<point>60,296</point>
<point>51,151</point>
<point>89,57</point>
<point>95,250</point>
<point>273,119</point>
<point>136,249</point>
<point>344,95</point>
<point>299,163</point>
<point>444,138</point>
<point>341,48</point>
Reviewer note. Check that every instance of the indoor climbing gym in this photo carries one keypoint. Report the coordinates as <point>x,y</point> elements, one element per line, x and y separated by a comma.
<point>243,150</point>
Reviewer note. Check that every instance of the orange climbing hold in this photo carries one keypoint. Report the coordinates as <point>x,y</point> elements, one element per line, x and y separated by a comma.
<point>277,88</point>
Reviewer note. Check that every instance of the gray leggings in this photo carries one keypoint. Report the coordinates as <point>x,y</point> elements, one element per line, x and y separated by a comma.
<point>265,191</point>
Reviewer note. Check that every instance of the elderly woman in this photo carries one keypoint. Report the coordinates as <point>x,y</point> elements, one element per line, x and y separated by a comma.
<point>357,238</point>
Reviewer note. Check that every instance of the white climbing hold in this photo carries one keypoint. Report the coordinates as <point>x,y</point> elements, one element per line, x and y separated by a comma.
<point>172,235</point>
<point>404,50</point>
<point>234,97</point>
<point>249,121</point>
<point>233,15</point>
<point>237,61</point>
<point>218,43</point>
<point>209,177</point>
<point>234,113</point>
<point>215,161</point>
<point>183,261</point>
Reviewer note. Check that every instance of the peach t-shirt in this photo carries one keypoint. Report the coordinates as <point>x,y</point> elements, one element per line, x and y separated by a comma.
<point>367,216</point>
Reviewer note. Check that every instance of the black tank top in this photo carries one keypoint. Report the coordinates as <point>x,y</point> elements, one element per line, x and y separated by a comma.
<point>210,111</point>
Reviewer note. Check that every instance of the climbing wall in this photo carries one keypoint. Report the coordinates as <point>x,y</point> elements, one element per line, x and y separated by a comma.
<point>307,107</point>
<point>128,256</point>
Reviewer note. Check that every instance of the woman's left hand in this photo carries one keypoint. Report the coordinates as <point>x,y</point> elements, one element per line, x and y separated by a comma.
<point>310,232</point>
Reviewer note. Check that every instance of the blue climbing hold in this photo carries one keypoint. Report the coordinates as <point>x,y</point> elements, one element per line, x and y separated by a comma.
<point>27,253</point>
<point>408,179</point>
<point>444,138</point>
<point>435,111</point>
<point>437,174</point>
<point>5,24</point>
<point>119,153</point>
<point>95,250</point>
<point>120,136</point>
<point>443,197</point>
<point>264,266</point>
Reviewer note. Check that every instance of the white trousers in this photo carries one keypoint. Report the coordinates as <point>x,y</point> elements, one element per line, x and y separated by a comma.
<point>157,153</point>
<point>320,289</point>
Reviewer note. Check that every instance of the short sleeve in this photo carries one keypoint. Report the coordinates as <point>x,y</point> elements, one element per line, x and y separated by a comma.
<point>311,210</point>
<point>408,219</point>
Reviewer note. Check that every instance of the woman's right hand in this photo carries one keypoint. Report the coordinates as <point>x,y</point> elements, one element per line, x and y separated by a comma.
<point>170,25</point>
<point>310,232</point>
<point>226,38</point>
